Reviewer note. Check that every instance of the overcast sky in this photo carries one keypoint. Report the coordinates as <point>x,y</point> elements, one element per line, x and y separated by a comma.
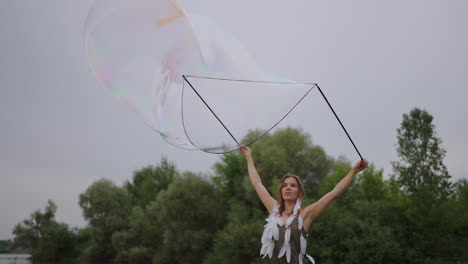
<point>375,60</point>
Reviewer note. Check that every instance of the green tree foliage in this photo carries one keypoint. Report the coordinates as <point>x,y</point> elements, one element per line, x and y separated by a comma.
<point>239,240</point>
<point>230,171</point>
<point>106,208</point>
<point>355,228</point>
<point>427,215</point>
<point>190,211</point>
<point>291,151</point>
<point>141,240</point>
<point>461,193</point>
<point>49,240</point>
<point>339,169</point>
<point>4,246</point>
<point>421,171</point>
<point>147,182</point>
<point>459,217</point>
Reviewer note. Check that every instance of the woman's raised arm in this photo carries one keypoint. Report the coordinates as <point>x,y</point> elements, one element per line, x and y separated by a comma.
<point>314,210</point>
<point>262,192</point>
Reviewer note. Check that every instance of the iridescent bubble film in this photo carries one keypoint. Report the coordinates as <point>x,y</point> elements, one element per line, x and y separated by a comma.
<point>140,50</point>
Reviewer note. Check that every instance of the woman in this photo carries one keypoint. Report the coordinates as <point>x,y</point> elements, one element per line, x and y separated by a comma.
<point>284,237</point>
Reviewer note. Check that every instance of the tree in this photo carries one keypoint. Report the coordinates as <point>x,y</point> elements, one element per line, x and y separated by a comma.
<point>358,227</point>
<point>147,182</point>
<point>427,213</point>
<point>139,242</point>
<point>460,217</point>
<point>49,240</point>
<point>28,233</point>
<point>189,212</point>
<point>461,192</point>
<point>4,246</point>
<point>239,240</point>
<point>421,171</point>
<point>291,151</point>
<point>106,208</point>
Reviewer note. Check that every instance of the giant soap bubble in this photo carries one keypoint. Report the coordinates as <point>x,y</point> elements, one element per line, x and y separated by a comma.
<point>142,49</point>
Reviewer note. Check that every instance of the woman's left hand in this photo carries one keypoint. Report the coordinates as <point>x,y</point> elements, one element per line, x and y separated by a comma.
<point>361,165</point>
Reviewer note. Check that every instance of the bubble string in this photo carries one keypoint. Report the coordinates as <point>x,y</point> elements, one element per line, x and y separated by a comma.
<point>206,104</point>
<point>314,85</point>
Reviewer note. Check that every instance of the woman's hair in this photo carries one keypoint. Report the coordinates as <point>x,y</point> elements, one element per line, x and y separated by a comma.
<point>300,194</point>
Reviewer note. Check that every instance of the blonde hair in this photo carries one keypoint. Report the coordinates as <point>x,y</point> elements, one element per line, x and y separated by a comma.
<point>280,199</point>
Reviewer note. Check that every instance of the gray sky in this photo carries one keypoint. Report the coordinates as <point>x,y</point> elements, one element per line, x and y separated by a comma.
<point>61,130</point>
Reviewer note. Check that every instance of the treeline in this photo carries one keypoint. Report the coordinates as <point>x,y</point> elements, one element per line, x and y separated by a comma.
<point>4,246</point>
<point>163,216</point>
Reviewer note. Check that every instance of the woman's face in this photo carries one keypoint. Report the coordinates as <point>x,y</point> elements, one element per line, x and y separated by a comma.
<point>290,189</point>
